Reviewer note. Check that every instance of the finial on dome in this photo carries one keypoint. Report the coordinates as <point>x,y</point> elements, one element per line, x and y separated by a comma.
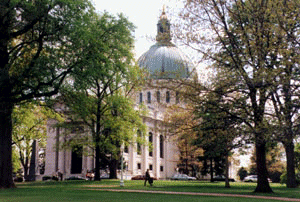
<point>163,14</point>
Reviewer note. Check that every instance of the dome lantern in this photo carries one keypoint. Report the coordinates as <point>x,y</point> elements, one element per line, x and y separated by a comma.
<point>163,28</point>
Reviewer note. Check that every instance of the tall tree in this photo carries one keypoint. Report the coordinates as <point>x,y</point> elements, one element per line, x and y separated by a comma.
<point>244,37</point>
<point>219,128</point>
<point>39,46</point>
<point>29,125</point>
<point>285,97</point>
<point>180,124</point>
<point>101,90</point>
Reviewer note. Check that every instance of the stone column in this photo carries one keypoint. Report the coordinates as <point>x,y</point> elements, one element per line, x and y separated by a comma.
<point>144,156</point>
<point>156,156</point>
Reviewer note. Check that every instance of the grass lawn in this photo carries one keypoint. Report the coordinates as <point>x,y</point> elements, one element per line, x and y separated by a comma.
<point>93,191</point>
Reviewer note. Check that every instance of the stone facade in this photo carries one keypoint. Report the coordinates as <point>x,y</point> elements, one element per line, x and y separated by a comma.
<point>162,159</point>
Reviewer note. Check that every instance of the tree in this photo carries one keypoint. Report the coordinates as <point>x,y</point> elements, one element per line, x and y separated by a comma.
<point>100,93</point>
<point>244,37</point>
<point>180,125</point>
<point>29,125</point>
<point>219,129</point>
<point>39,46</point>
<point>285,96</point>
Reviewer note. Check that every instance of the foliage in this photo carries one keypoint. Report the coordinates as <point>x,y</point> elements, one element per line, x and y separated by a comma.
<point>16,164</point>
<point>283,178</point>
<point>219,129</point>
<point>99,98</point>
<point>180,123</point>
<point>29,124</point>
<point>275,163</point>
<point>297,156</point>
<point>256,42</point>
<point>40,45</point>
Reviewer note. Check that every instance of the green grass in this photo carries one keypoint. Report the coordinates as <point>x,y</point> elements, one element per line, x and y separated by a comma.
<point>93,191</point>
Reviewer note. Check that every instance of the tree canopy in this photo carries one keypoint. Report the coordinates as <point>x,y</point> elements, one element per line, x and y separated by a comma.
<point>254,42</point>
<point>101,90</point>
<point>40,44</point>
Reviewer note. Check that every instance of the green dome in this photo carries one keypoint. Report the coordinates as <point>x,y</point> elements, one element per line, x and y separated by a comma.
<point>164,60</point>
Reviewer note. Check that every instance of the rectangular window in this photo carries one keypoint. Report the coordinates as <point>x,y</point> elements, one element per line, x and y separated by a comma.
<point>149,97</point>
<point>158,96</point>
<point>139,146</point>
<point>167,97</point>
<point>141,97</point>
<point>139,166</point>
<point>161,168</point>
<point>150,167</point>
<point>177,98</point>
<point>126,150</point>
<point>161,146</point>
<point>151,143</point>
<point>139,149</point>
<point>76,160</point>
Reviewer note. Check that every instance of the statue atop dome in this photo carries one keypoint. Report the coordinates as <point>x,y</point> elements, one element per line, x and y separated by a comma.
<point>163,28</point>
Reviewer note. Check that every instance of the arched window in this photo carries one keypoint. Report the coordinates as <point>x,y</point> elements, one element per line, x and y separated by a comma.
<point>149,97</point>
<point>151,143</point>
<point>158,96</point>
<point>161,146</point>
<point>141,97</point>
<point>167,97</point>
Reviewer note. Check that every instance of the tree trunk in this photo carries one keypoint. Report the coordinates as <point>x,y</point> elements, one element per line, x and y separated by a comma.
<point>113,169</point>
<point>227,185</point>
<point>97,140</point>
<point>6,107</point>
<point>26,168</point>
<point>289,132</point>
<point>97,163</point>
<point>6,180</point>
<point>211,170</point>
<point>290,164</point>
<point>263,185</point>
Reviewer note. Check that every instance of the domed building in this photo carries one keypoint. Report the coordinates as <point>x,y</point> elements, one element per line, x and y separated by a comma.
<point>163,61</point>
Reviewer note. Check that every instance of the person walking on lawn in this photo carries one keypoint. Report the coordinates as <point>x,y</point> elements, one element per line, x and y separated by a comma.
<point>148,178</point>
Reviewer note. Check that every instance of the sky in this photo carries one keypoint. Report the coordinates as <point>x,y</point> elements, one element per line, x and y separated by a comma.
<point>144,14</point>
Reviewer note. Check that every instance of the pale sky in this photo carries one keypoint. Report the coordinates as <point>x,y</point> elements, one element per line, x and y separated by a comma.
<point>144,14</point>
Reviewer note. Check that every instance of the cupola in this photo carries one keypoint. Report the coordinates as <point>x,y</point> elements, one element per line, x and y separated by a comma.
<point>163,28</point>
<point>164,60</point>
